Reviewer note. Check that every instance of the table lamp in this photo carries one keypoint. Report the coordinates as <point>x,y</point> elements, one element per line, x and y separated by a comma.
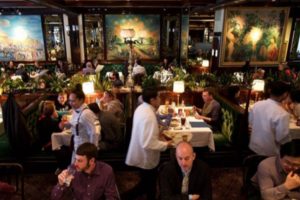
<point>178,87</point>
<point>205,63</point>
<point>205,66</point>
<point>88,89</point>
<point>258,86</point>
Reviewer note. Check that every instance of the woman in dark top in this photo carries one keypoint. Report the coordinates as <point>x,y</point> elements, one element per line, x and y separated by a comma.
<point>61,104</point>
<point>47,124</point>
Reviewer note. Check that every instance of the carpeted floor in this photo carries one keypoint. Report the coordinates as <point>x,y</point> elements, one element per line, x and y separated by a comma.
<point>226,183</point>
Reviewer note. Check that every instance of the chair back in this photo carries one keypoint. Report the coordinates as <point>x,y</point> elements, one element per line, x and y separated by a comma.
<point>13,173</point>
<point>250,164</point>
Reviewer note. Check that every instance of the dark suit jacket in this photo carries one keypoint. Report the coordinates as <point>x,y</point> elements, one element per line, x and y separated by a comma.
<point>111,135</point>
<point>170,181</point>
<point>45,127</point>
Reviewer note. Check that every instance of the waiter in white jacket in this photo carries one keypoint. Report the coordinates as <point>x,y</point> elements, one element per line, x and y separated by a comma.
<point>145,146</point>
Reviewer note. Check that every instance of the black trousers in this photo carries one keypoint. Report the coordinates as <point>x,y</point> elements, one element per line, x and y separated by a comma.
<point>63,157</point>
<point>147,185</point>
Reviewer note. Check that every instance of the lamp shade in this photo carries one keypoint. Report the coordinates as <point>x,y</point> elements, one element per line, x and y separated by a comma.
<point>127,33</point>
<point>178,86</point>
<point>15,77</point>
<point>88,87</point>
<point>258,85</point>
<point>205,63</point>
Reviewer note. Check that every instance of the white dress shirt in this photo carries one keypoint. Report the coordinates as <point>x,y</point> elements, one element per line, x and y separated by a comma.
<point>138,69</point>
<point>145,146</point>
<point>89,127</point>
<point>270,127</point>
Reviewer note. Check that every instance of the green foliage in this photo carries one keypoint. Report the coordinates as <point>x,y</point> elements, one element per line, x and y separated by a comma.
<point>77,79</point>
<point>10,85</point>
<point>182,75</point>
<point>57,84</point>
<point>206,80</point>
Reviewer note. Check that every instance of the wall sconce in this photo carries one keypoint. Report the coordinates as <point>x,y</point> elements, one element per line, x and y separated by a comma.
<point>71,29</point>
<point>214,52</point>
<point>18,12</point>
<point>178,87</point>
<point>67,28</point>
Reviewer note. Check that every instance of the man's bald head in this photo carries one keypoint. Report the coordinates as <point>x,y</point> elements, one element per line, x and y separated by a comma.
<point>185,156</point>
<point>184,146</point>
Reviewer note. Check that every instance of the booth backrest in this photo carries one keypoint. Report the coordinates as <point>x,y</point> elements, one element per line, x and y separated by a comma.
<point>113,67</point>
<point>150,69</point>
<point>50,66</point>
<point>234,126</point>
<point>31,114</point>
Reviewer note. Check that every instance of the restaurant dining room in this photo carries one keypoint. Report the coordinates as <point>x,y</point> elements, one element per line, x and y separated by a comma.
<point>156,100</point>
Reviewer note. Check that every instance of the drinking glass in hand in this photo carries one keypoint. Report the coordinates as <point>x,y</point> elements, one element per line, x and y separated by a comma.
<point>70,175</point>
<point>64,118</point>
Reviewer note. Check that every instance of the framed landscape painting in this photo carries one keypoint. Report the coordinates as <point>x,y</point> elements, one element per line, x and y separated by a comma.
<point>21,38</point>
<point>147,34</point>
<point>254,34</point>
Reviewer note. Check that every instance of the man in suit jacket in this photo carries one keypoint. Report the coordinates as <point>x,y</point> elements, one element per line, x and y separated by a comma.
<point>188,178</point>
<point>111,134</point>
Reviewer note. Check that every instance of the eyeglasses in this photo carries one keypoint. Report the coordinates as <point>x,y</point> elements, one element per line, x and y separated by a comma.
<point>71,100</point>
<point>290,163</point>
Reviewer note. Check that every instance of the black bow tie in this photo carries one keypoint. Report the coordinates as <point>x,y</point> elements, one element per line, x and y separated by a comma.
<point>77,111</point>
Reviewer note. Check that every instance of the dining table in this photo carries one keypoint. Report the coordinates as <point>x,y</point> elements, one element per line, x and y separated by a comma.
<point>294,129</point>
<point>58,139</point>
<point>195,131</point>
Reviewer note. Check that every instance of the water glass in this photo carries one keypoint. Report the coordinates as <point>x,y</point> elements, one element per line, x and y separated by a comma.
<point>184,138</point>
<point>70,175</point>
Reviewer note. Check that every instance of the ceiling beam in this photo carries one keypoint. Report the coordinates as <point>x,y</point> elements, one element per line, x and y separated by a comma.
<point>54,5</point>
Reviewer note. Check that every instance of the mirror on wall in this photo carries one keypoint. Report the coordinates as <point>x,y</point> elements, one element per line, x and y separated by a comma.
<point>201,31</point>
<point>94,41</point>
<point>295,45</point>
<point>54,37</point>
<point>170,36</point>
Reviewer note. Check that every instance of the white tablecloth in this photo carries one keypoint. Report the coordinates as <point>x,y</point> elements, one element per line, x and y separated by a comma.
<point>294,129</point>
<point>61,138</point>
<point>200,137</point>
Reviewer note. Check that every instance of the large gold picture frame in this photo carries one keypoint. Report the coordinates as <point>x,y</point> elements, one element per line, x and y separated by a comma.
<point>254,34</point>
